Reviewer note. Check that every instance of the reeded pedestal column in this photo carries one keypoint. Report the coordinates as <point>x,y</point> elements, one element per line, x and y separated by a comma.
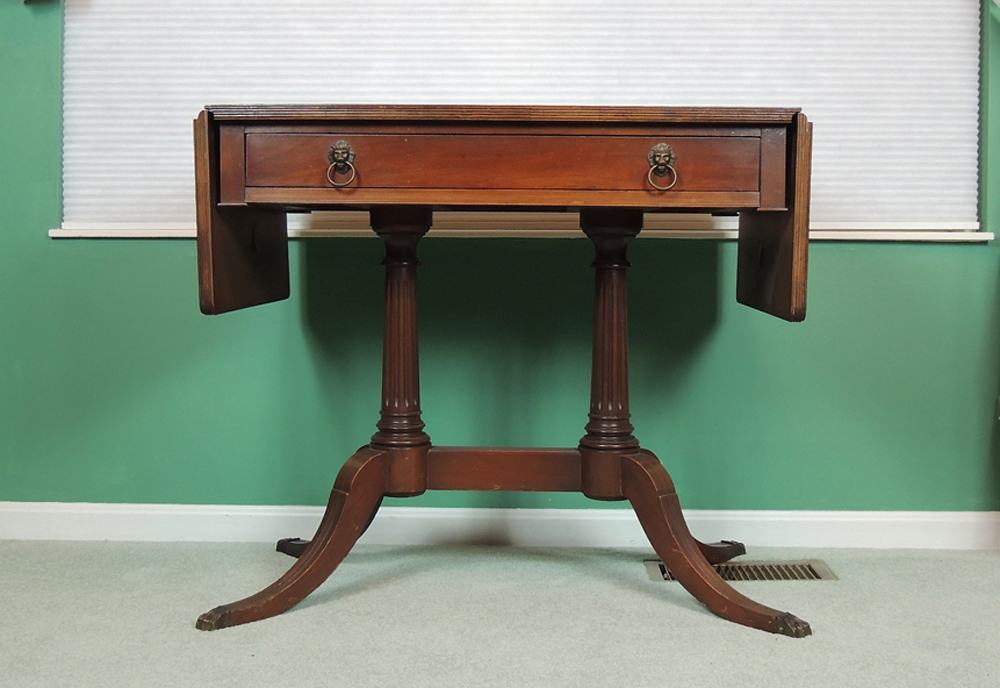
<point>609,430</point>
<point>400,427</point>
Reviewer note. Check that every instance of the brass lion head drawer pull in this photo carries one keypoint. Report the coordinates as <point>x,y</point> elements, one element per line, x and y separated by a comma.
<point>341,157</point>
<point>661,162</point>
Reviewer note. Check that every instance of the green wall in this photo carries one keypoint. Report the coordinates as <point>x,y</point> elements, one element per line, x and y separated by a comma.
<point>114,388</point>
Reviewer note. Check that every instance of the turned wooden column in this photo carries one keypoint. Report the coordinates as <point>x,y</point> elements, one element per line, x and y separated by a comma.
<point>400,427</point>
<point>609,430</point>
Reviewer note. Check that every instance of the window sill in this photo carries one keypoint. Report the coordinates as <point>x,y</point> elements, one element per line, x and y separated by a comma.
<point>542,226</point>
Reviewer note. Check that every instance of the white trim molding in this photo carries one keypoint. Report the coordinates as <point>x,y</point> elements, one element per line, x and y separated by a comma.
<point>541,226</point>
<point>608,528</point>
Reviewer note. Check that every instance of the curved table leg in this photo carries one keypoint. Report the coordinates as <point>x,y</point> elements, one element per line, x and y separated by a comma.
<point>295,547</point>
<point>356,496</point>
<point>722,551</point>
<point>648,486</point>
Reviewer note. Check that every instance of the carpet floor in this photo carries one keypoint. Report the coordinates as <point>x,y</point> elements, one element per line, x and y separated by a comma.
<point>122,614</point>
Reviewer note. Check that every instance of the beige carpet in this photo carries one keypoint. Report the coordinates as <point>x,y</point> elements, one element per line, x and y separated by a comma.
<point>122,614</point>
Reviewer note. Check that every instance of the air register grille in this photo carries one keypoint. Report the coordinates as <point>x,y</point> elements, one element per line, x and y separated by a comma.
<point>809,569</point>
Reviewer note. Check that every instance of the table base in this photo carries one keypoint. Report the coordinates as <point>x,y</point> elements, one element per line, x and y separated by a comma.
<point>608,465</point>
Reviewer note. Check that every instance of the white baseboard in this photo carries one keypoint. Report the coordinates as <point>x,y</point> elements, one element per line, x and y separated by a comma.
<point>521,527</point>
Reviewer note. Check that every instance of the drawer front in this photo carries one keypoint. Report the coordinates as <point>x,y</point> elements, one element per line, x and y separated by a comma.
<point>516,162</point>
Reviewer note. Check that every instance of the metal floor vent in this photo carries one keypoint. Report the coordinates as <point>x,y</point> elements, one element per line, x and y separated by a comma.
<point>807,569</point>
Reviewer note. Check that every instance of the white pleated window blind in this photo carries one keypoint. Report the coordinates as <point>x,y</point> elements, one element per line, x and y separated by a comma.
<point>892,86</point>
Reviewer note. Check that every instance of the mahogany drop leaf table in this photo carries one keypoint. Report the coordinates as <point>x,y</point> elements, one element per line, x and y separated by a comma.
<point>401,163</point>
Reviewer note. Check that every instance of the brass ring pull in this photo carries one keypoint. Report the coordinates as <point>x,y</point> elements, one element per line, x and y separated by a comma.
<point>668,168</point>
<point>335,167</point>
<point>341,157</point>
<point>661,160</point>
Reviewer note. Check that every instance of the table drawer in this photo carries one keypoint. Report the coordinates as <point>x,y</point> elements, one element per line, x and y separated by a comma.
<point>516,162</point>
